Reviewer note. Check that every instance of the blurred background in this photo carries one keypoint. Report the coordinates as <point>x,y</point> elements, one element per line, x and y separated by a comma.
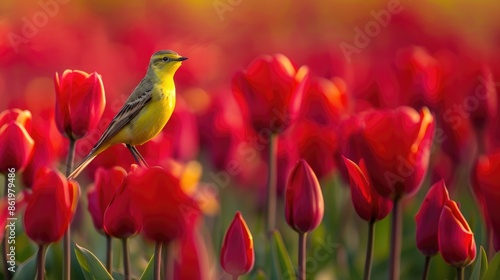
<point>379,54</point>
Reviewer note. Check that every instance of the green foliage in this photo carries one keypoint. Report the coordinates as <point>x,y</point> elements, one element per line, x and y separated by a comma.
<point>493,272</point>
<point>481,266</point>
<point>148,272</point>
<point>26,270</point>
<point>91,266</point>
<point>281,259</point>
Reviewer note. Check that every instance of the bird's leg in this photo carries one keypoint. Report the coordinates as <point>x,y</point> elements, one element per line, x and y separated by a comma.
<point>137,156</point>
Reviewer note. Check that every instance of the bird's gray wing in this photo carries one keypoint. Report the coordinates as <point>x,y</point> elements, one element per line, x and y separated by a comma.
<point>134,104</point>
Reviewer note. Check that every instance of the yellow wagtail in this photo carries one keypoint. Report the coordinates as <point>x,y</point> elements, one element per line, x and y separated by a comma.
<point>145,112</point>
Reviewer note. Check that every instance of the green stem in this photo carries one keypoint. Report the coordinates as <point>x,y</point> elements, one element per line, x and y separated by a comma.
<point>109,253</point>
<point>126,259</point>
<point>301,273</point>
<point>369,250</point>
<point>235,277</point>
<point>67,235</point>
<point>395,240</point>
<point>271,184</point>
<point>426,268</point>
<point>5,250</point>
<point>40,262</point>
<point>157,262</point>
<point>460,273</point>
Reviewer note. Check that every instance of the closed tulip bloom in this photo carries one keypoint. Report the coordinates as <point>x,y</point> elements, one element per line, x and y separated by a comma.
<point>304,206</point>
<point>16,144</point>
<point>456,240</point>
<point>80,102</point>
<point>51,206</point>
<point>427,219</point>
<point>270,91</point>
<point>237,252</point>
<point>485,177</point>
<point>106,184</point>
<point>165,209</point>
<point>122,218</point>
<point>369,205</point>
<point>395,145</point>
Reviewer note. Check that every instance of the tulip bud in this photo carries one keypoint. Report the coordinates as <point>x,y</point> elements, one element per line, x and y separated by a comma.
<point>304,206</point>
<point>80,102</point>
<point>485,178</point>
<point>51,206</point>
<point>100,194</point>
<point>427,219</point>
<point>369,205</point>
<point>122,218</point>
<point>456,240</point>
<point>16,144</point>
<point>237,253</point>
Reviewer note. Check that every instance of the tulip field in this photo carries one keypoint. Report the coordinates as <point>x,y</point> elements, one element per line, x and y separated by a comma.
<point>303,140</point>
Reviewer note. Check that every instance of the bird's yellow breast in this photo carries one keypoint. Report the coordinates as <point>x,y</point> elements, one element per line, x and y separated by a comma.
<point>153,117</point>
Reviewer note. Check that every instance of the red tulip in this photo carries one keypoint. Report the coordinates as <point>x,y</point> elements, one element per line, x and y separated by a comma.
<point>455,238</point>
<point>270,91</point>
<point>485,178</point>
<point>237,253</point>
<point>304,206</point>
<point>316,130</point>
<point>369,205</point>
<point>192,260</point>
<point>106,184</point>
<point>122,217</point>
<point>165,210</point>
<point>16,144</point>
<point>395,145</point>
<point>49,148</point>
<point>50,207</point>
<point>483,92</point>
<point>427,219</point>
<point>80,102</point>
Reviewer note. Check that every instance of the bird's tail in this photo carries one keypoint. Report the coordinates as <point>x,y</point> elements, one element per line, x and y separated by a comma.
<point>88,159</point>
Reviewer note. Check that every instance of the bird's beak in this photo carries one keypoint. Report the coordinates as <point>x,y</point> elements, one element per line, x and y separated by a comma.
<point>181,58</point>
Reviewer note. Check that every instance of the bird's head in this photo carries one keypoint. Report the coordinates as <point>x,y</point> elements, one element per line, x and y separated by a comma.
<point>165,63</point>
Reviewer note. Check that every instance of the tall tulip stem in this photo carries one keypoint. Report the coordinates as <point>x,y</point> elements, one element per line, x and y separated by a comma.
<point>235,277</point>
<point>395,239</point>
<point>126,259</point>
<point>109,253</point>
<point>271,183</point>
<point>301,273</point>
<point>460,273</point>
<point>157,262</point>
<point>40,262</point>
<point>6,273</point>
<point>426,268</point>
<point>67,236</point>
<point>369,250</point>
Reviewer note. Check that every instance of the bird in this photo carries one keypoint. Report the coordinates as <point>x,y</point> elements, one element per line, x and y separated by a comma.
<point>145,112</point>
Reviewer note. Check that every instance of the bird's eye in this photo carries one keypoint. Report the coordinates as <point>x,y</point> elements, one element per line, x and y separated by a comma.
<point>165,58</point>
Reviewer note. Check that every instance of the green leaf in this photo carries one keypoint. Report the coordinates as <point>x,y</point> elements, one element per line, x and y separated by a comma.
<point>91,266</point>
<point>480,267</point>
<point>26,270</point>
<point>493,271</point>
<point>281,259</point>
<point>148,272</point>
